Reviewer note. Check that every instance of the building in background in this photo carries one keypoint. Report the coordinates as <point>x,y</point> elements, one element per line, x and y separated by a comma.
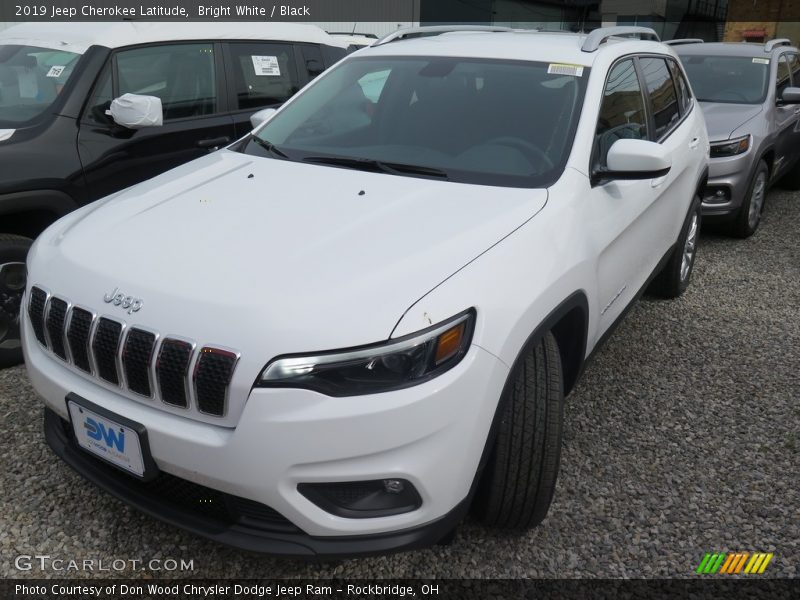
<point>762,20</point>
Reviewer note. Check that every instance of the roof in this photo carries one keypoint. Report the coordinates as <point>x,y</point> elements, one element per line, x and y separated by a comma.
<point>744,49</point>
<point>78,37</point>
<point>544,46</point>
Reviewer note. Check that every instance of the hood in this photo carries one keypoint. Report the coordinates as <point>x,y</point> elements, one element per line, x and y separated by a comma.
<point>284,257</point>
<point>723,119</point>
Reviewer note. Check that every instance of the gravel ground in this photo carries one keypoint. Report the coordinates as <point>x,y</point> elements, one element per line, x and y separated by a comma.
<point>681,439</point>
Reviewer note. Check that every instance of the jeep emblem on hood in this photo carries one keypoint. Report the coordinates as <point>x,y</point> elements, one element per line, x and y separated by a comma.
<point>118,298</point>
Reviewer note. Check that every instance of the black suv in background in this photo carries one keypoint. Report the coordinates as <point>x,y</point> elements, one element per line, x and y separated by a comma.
<point>59,146</point>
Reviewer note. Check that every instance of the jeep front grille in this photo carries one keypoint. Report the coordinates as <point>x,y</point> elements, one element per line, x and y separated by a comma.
<point>167,369</point>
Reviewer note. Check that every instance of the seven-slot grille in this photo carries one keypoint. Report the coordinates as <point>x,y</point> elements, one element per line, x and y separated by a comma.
<point>132,357</point>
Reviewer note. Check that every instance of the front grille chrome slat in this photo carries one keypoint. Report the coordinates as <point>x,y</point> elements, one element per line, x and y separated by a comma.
<point>105,347</point>
<point>78,332</point>
<point>212,377</point>
<point>172,368</point>
<point>36,306</point>
<point>55,324</point>
<point>135,359</point>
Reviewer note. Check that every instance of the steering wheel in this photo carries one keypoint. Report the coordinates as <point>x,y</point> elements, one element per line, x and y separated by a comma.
<point>529,150</point>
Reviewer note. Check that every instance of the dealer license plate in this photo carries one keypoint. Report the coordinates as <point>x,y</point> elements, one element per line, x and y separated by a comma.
<point>107,439</point>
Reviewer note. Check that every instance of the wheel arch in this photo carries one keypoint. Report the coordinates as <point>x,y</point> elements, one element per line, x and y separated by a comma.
<point>29,213</point>
<point>569,323</point>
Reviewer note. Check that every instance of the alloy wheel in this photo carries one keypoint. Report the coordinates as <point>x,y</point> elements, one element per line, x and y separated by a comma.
<point>757,200</point>
<point>690,247</point>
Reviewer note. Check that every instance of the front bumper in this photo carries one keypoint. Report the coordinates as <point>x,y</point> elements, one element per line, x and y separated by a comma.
<point>432,435</point>
<point>730,175</point>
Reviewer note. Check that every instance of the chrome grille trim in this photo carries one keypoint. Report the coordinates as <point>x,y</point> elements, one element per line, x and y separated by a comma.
<point>196,363</point>
<point>187,391</point>
<point>189,377</point>
<point>150,362</point>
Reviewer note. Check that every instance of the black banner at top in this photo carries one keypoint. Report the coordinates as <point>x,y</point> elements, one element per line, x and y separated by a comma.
<point>210,10</point>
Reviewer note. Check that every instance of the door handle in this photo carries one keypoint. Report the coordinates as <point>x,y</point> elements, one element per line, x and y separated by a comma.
<point>694,143</point>
<point>213,143</point>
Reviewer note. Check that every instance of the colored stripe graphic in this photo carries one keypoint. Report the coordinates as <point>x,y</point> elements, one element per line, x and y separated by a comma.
<point>732,563</point>
<point>740,564</point>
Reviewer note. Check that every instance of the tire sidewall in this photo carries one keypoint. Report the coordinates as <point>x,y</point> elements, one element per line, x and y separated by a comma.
<point>12,250</point>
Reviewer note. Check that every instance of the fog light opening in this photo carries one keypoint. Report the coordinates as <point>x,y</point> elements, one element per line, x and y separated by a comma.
<point>363,499</point>
<point>717,195</point>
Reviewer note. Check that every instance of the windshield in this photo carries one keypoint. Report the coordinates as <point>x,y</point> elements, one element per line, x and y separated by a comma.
<point>729,79</point>
<point>31,79</point>
<point>470,120</point>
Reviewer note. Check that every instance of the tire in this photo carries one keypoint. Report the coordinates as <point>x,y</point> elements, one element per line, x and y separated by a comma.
<point>13,250</point>
<point>791,181</point>
<point>749,217</point>
<point>518,482</point>
<point>674,278</point>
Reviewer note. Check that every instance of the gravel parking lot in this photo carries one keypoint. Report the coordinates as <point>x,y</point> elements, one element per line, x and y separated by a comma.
<point>681,439</point>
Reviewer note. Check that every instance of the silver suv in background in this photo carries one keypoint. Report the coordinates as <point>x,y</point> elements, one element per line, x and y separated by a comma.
<point>750,95</point>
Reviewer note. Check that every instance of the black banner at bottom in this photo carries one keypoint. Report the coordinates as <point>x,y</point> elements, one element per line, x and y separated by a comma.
<point>443,589</point>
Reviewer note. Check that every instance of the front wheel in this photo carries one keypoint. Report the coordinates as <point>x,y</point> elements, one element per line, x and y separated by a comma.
<point>749,216</point>
<point>519,480</point>
<point>13,251</point>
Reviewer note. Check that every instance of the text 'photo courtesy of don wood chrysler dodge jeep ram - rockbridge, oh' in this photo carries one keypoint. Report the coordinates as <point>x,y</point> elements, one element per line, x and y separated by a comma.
<point>360,321</point>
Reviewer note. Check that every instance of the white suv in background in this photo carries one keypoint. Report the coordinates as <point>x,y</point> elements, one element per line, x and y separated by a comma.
<point>338,335</point>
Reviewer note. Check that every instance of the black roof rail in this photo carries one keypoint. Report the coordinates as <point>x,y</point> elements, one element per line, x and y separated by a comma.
<point>599,36</point>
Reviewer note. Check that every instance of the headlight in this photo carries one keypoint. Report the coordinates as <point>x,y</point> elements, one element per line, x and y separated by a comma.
<point>392,365</point>
<point>730,147</point>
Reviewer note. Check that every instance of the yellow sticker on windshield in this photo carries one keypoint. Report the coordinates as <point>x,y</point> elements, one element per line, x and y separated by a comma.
<point>565,69</point>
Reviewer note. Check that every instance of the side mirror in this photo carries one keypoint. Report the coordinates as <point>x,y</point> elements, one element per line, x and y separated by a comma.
<point>635,159</point>
<point>791,95</point>
<point>261,117</point>
<point>135,112</point>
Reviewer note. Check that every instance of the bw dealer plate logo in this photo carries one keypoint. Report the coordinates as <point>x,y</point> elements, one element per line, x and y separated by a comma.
<point>119,298</point>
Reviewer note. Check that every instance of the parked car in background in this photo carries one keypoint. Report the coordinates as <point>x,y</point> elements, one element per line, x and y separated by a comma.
<point>182,91</point>
<point>750,94</point>
<point>338,335</point>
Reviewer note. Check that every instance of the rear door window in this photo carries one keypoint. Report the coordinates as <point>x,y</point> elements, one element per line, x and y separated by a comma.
<point>684,95</point>
<point>661,91</point>
<point>264,74</point>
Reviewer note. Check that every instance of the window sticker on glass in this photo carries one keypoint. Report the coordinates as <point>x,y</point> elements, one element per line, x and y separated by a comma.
<point>266,66</point>
<point>55,71</point>
<point>565,69</point>
<point>28,85</point>
<point>761,61</point>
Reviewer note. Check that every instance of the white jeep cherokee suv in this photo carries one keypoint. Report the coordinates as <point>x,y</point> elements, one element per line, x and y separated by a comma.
<point>342,332</point>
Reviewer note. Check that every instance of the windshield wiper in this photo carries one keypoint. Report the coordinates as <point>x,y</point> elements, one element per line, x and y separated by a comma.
<point>378,166</point>
<point>270,147</point>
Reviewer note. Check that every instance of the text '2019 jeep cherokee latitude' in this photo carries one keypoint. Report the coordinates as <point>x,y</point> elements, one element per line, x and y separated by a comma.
<point>341,333</point>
